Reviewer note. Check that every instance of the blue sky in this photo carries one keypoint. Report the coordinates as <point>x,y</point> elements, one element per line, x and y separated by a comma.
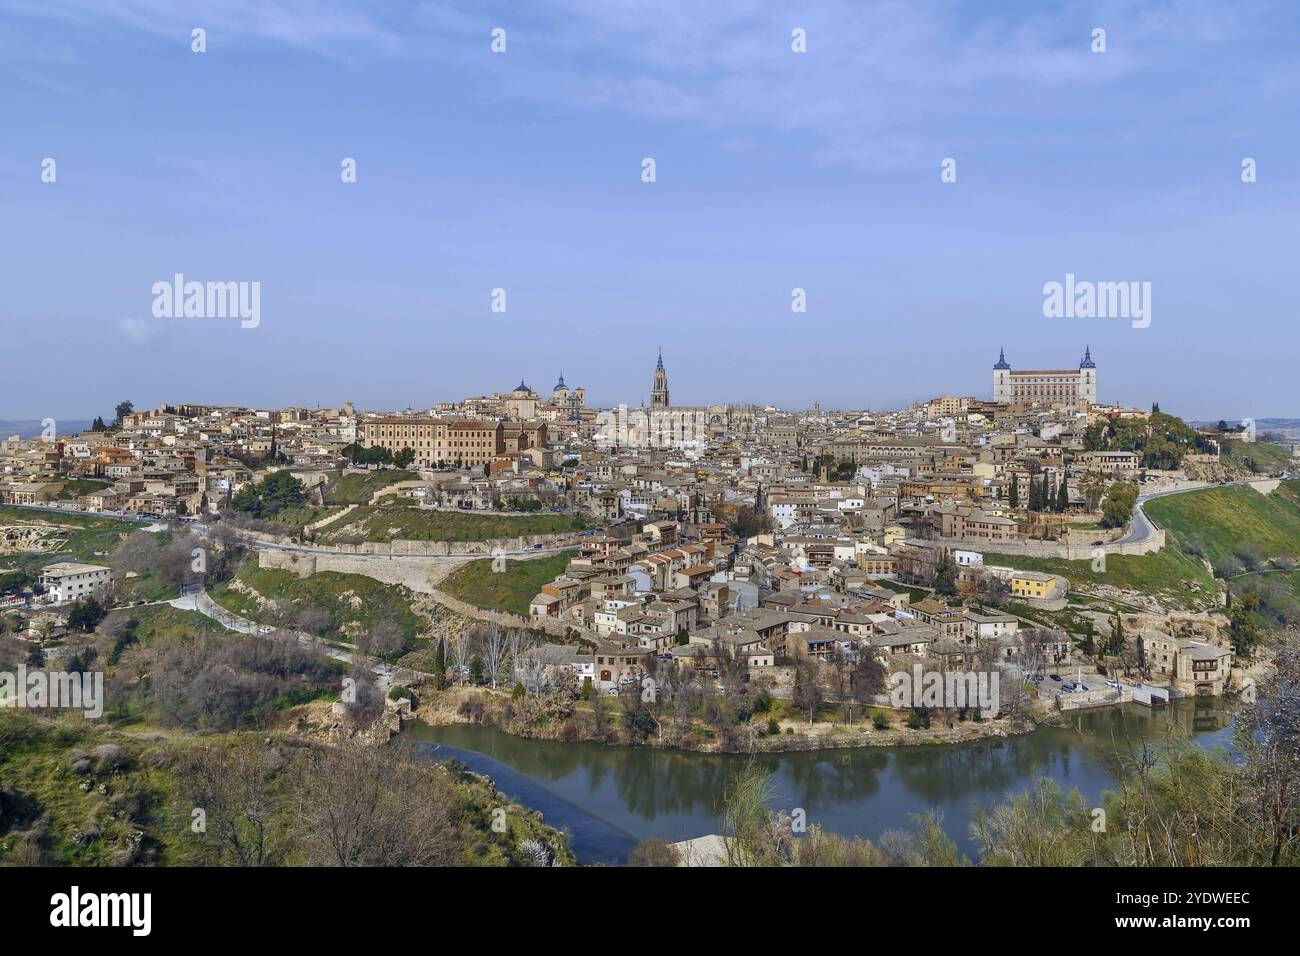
<point>522,171</point>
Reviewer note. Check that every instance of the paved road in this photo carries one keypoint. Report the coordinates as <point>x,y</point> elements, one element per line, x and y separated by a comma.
<point>202,604</point>
<point>1140,526</point>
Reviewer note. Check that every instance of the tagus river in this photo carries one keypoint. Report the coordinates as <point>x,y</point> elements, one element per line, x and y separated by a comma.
<point>610,798</point>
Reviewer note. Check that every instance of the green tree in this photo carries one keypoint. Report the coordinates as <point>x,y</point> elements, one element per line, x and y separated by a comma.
<point>1015,489</point>
<point>440,665</point>
<point>273,494</point>
<point>86,614</point>
<point>945,576</point>
<point>1245,623</point>
<point>1118,504</point>
<point>1116,643</point>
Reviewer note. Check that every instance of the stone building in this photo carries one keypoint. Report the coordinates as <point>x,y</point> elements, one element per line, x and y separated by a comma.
<point>1073,387</point>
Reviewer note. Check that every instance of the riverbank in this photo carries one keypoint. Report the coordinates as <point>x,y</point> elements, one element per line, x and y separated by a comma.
<point>616,796</point>
<point>552,717</point>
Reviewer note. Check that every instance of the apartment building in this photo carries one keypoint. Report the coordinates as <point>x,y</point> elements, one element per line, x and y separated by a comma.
<point>66,581</point>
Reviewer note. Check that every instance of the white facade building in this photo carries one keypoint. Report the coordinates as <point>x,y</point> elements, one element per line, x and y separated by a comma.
<point>65,581</point>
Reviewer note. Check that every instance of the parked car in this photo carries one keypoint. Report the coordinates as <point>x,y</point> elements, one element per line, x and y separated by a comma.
<point>1112,683</point>
<point>1056,676</point>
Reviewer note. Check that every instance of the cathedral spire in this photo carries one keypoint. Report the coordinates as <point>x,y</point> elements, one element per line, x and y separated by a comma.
<point>1087,358</point>
<point>1002,359</point>
<point>659,387</point>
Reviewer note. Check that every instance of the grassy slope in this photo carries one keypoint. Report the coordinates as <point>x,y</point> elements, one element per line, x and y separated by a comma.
<point>1288,579</point>
<point>357,489</point>
<point>36,759</point>
<point>90,538</point>
<point>1167,573</point>
<point>508,590</point>
<point>1268,458</point>
<point>327,590</point>
<point>1217,520</point>
<point>1223,519</point>
<point>143,799</point>
<point>76,487</point>
<point>386,523</point>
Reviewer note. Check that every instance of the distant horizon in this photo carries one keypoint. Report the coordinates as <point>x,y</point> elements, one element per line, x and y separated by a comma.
<point>861,222</point>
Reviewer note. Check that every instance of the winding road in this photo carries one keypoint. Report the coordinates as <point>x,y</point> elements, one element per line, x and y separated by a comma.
<point>1141,528</point>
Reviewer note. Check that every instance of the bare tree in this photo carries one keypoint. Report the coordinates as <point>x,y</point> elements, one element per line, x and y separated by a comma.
<point>492,644</point>
<point>530,667</point>
<point>808,693</point>
<point>370,806</point>
<point>1034,644</point>
<point>231,790</point>
<point>387,638</point>
<point>1268,733</point>
<point>458,652</point>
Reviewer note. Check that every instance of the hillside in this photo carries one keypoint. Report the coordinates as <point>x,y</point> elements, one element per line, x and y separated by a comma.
<point>509,590</point>
<point>86,794</point>
<point>1235,528</point>
<point>339,607</point>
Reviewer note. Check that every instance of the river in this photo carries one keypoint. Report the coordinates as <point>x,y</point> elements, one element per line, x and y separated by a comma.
<point>610,798</point>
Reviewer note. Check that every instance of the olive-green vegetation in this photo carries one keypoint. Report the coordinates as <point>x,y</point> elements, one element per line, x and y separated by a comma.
<point>274,493</point>
<point>1166,574</point>
<point>1258,457</point>
<point>76,487</point>
<point>357,489</point>
<point>1160,440</point>
<point>82,793</point>
<point>1117,505</point>
<point>1236,528</point>
<point>507,590</point>
<point>349,607</point>
<point>383,523</point>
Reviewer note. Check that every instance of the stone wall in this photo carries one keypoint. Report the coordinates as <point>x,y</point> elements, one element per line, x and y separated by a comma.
<point>404,546</point>
<point>415,574</point>
<point>1055,549</point>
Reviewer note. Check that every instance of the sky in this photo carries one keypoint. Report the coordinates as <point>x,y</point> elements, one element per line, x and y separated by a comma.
<point>522,170</point>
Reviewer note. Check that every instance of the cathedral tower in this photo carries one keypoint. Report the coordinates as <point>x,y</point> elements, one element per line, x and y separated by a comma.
<point>659,390</point>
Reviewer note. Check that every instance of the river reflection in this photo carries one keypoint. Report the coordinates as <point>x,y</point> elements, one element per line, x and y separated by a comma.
<point>611,797</point>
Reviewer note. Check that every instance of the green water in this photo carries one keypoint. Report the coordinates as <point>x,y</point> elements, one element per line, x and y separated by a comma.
<point>612,797</point>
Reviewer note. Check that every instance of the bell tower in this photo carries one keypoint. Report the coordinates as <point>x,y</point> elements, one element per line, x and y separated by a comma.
<point>1002,379</point>
<point>659,389</point>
